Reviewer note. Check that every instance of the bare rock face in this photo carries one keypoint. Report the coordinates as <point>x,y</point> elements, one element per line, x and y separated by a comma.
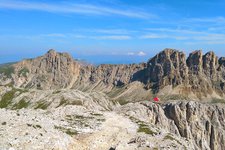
<point>222,61</point>
<point>202,75</point>
<point>167,68</point>
<point>201,124</point>
<point>53,70</point>
<point>210,64</point>
<point>206,129</point>
<point>194,62</point>
<point>59,70</point>
<point>105,77</point>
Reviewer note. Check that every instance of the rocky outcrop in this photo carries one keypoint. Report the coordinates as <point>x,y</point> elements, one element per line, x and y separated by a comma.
<point>59,70</point>
<point>105,77</point>
<point>167,68</point>
<point>200,75</point>
<point>201,124</point>
<point>53,70</point>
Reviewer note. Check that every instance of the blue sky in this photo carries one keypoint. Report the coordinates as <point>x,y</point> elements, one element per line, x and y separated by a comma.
<point>110,31</point>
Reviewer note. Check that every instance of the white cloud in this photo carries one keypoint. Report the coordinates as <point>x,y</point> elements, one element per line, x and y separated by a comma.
<point>73,8</point>
<point>153,36</point>
<point>55,36</point>
<point>141,53</point>
<point>189,36</point>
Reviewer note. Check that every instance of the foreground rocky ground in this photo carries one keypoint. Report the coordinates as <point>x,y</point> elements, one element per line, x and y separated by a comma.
<point>76,128</point>
<point>131,126</point>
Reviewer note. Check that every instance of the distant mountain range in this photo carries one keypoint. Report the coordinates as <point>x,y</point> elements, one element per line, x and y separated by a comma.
<point>199,76</point>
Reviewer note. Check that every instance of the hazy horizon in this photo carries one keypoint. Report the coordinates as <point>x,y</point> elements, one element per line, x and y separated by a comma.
<point>115,31</point>
<point>95,59</point>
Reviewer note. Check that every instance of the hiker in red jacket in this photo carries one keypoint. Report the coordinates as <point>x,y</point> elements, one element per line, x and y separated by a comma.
<point>156,99</point>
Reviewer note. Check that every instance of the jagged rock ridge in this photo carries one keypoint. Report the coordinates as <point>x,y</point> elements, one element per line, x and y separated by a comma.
<point>201,124</point>
<point>201,75</point>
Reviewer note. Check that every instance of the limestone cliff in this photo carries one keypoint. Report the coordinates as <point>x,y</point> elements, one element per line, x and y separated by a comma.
<point>200,75</point>
<point>201,124</point>
<point>53,70</point>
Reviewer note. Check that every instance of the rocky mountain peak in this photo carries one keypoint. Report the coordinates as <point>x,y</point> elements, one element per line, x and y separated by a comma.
<point>167,68</point>
<point>165,55</point>
<point>51,51</point>
<point>53,54</point>
<point>52,70</point>
<point>202,72</point>
<point>199,73</point>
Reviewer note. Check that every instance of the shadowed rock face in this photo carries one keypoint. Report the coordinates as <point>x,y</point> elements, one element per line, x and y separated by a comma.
<point>202,124</point>
<point>203,75</point>
<point>210,64</point>
<point>205,129</point>
<point>194,62</point>
<point>109,75</point>
<point>200,74</point>
<point>166,68</point>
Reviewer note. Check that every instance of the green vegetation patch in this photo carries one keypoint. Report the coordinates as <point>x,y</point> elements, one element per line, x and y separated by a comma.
<point>77,102</point>
<point>174,97</point>
<point>80,120</point>
<point>120,101</point>
<point>145,129</point>
<point>23,72</point>
<point>7,70</point>
<point>96,114</point>
<point>116,91</point>
<point>169,137</point>
<point>217,100</point>
<point>34,126</point>
<point>64,102</point>
<point>80,117</point>
<point>42,105</point>
<point>101,119</point>
<point>7,98</point>
<point>56,92</point>
<point>68,131</point>
<point>21,104</point>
